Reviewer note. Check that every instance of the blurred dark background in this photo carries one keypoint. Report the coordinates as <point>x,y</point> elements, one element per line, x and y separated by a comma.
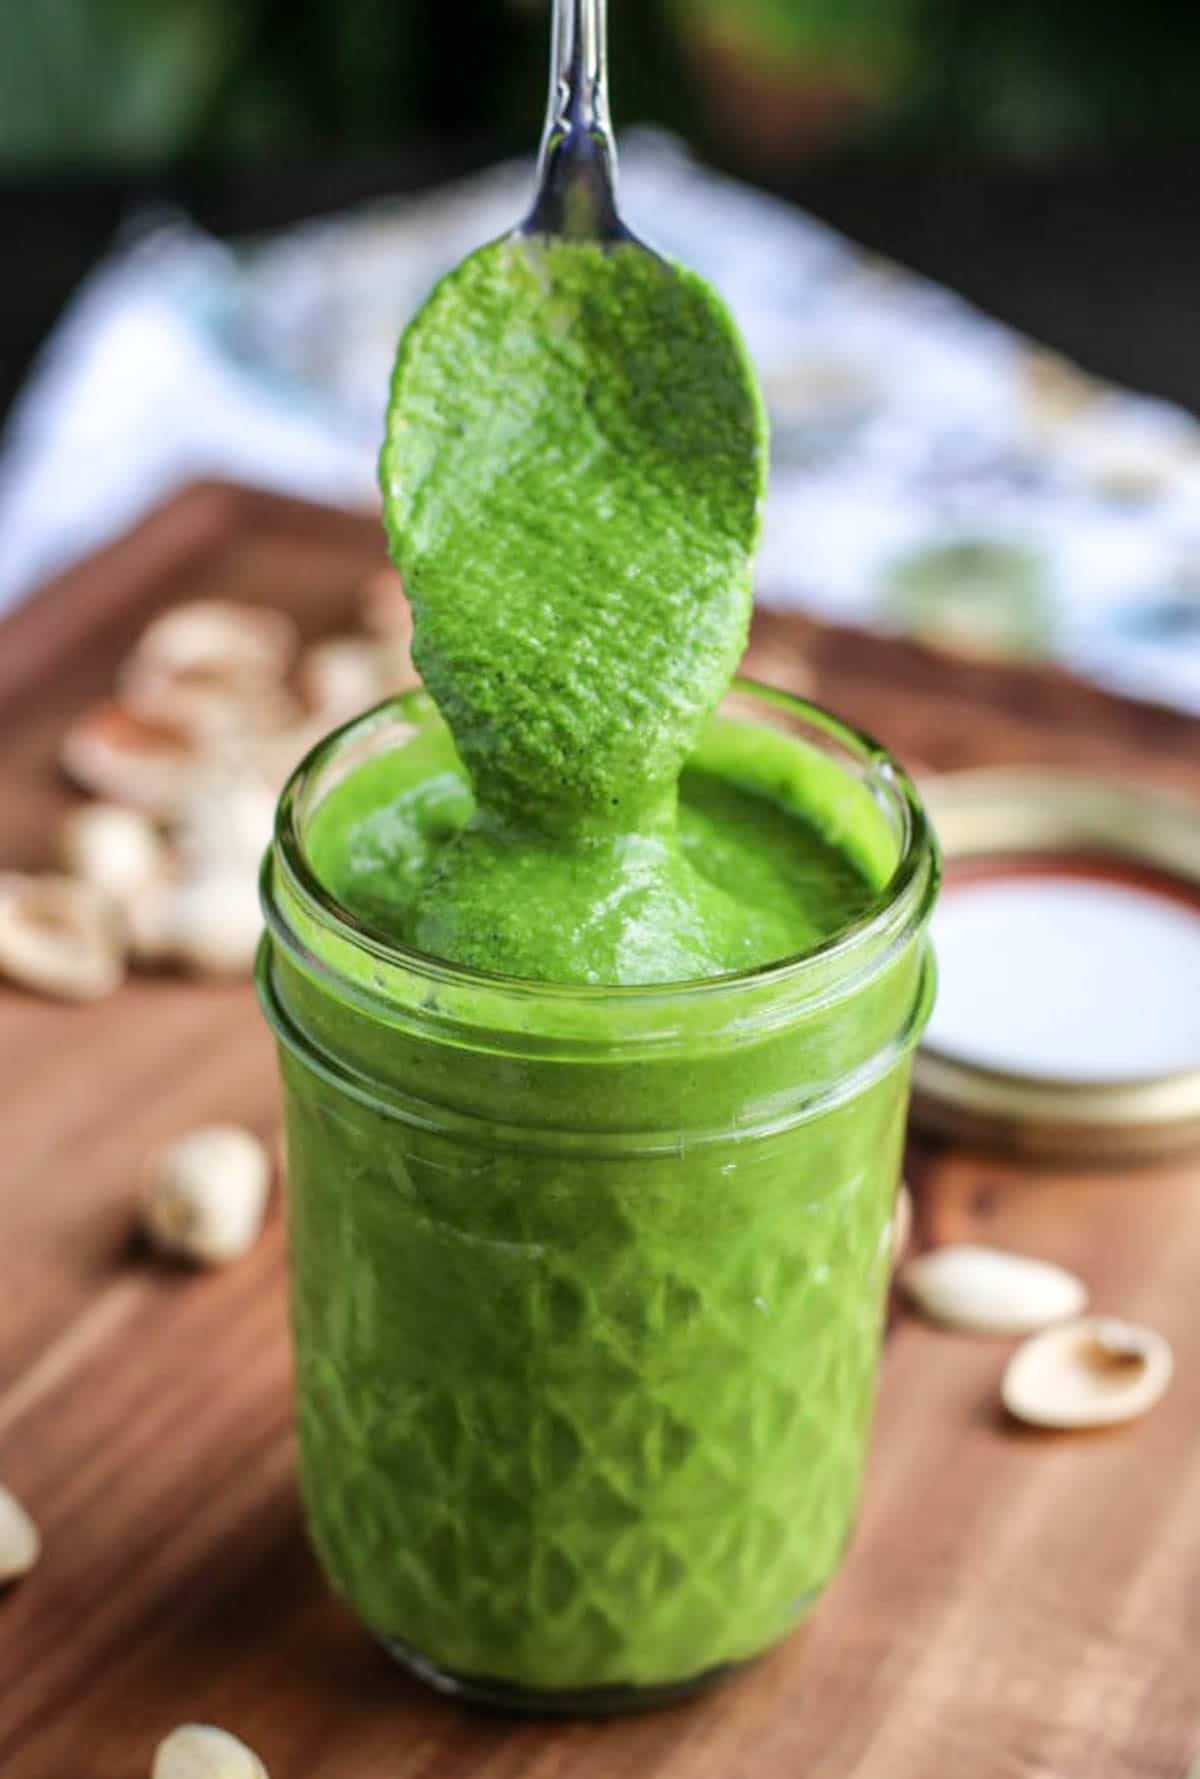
<point>1041,158</point>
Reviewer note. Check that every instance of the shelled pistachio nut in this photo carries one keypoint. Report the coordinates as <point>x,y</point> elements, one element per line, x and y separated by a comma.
<point>114,848</point>
<point>225,823</point>
<point>341,676</point>
<point>205,1194</point>
<point>990,1291</point>
<point>208,923</point>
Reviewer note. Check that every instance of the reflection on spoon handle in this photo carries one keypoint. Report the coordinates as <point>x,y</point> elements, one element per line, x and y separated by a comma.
<point>578,70</point>
<point>577,165</point>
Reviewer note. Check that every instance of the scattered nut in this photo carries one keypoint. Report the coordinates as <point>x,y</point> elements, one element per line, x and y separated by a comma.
<point>59,937</point>
<point>254,642</point>
<point>990,1291</point>
<point>202,736</point>
<point>20,1540</point>
<point>217,924</point>
<point>342,676</point>
<point>210,923</point>
<point>149,929</point>
<point>212,669</point>
<point>200,1751</point>
<point>206,1194</point>
<point>209,703</point>
<point>225,824</point>
<point>1093,1372</point>
<point>116,755</point>
<point>113,848</point>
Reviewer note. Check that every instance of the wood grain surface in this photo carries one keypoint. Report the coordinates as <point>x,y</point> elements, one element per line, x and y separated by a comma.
<point>1015,1604</point>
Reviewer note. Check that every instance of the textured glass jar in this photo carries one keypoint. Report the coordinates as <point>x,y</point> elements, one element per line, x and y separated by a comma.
<point>587,1284</point>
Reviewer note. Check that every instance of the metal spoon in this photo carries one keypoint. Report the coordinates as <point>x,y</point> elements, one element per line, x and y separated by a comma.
<point>576,197</point>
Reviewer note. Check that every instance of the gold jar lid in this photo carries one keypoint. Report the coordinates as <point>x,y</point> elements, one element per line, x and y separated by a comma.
<point>1068,938</point>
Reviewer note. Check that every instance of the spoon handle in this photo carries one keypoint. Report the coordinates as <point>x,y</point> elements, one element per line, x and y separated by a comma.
<point>576,193</point>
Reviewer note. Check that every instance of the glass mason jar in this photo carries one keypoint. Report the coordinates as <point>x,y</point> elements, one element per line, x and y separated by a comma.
<point>588,1283</point>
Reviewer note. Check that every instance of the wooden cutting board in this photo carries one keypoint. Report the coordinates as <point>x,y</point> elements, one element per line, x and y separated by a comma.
<point>1014,1605</point>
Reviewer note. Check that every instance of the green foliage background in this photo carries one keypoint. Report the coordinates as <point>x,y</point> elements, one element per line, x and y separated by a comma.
<point>143,81</point>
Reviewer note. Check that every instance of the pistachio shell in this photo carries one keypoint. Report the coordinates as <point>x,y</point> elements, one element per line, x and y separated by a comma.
<point>990,1291</point>
<point>112,847</point>
<point>1093,1372</point>
<point>117,755</point>
<point>59,937</point>
<point>212,669</point>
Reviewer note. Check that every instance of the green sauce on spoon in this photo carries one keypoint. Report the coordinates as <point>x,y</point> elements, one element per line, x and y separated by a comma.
<point>573,474</point>
<point>573,477</point>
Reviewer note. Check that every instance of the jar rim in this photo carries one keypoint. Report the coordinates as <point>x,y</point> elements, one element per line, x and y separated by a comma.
<point>905,899</point>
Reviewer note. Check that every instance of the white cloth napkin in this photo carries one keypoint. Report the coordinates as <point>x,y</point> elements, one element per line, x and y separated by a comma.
<point>932,472</point>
